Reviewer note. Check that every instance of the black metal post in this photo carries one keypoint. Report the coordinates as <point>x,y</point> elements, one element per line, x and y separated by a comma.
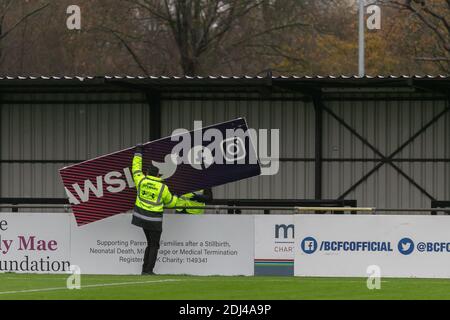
<point>318,110</point>
<point>1,153</point>
<point>154,103</point>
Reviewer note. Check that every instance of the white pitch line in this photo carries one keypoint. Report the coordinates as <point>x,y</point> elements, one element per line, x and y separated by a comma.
<point>91,286</point>
<point>34,279</point>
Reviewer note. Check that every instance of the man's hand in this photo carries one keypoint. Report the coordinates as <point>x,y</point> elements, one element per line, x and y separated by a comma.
<point>139,148</point>
<point>199,198</point>
<point>206,197</point>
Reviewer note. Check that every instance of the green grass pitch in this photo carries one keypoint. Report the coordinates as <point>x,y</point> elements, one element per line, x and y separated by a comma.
<point>42,286</point>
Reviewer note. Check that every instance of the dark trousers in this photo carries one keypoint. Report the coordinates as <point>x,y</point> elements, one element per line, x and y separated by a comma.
<point>151,252</point>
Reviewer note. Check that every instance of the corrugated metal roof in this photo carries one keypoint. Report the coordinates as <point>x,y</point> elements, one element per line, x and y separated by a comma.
<point>262,85</point>
<point>284,77</point>
<point>246,77</point>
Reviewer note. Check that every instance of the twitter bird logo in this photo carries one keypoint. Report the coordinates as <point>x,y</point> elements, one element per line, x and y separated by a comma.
<point>168,167</point>
<point>405,246</point>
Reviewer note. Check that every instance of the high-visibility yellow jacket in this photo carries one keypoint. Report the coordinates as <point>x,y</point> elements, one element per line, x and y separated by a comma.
<point>191,203</point>
<point>151,198</point>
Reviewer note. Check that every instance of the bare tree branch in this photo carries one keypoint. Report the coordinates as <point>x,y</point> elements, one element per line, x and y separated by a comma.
<point>435,16</point>
<point>129,49</point>
<point>4,34</point>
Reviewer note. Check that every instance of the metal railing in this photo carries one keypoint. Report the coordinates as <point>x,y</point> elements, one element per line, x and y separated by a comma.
<point>435,204</point>
<point>236,206</point>
<point>232,206</point>
<point>353,210</point>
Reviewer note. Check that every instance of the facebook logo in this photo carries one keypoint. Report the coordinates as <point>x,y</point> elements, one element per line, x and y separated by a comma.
<point>309,245</point>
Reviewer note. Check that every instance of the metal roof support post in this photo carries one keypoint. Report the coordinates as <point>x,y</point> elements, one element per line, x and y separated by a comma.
<point>154,103</point>
<point>1,153</point>
<point>318,110</point>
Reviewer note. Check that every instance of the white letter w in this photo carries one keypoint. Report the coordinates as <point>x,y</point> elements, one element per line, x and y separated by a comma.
<point>88,186</point>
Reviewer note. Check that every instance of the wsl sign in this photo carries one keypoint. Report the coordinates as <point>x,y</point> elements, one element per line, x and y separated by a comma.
<point>188,161</point>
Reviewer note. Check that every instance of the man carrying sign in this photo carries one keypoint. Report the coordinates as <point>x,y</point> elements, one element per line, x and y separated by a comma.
<point>152,196</point>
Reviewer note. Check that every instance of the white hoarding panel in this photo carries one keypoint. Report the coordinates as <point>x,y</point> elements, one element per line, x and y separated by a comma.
<point>346,245</point>
<point>207,245</point>
<point>34,242</point>
<point>108,246</point>
<point>190,244</point>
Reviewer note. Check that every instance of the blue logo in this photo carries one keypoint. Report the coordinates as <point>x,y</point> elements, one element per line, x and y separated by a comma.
<point>406,246</point>
<point>309,245</point>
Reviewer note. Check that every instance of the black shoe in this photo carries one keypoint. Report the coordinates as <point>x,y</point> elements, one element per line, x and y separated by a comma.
<point>147,273</point>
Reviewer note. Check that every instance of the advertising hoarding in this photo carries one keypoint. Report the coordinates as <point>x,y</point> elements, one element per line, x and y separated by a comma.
<point>346,245</point>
